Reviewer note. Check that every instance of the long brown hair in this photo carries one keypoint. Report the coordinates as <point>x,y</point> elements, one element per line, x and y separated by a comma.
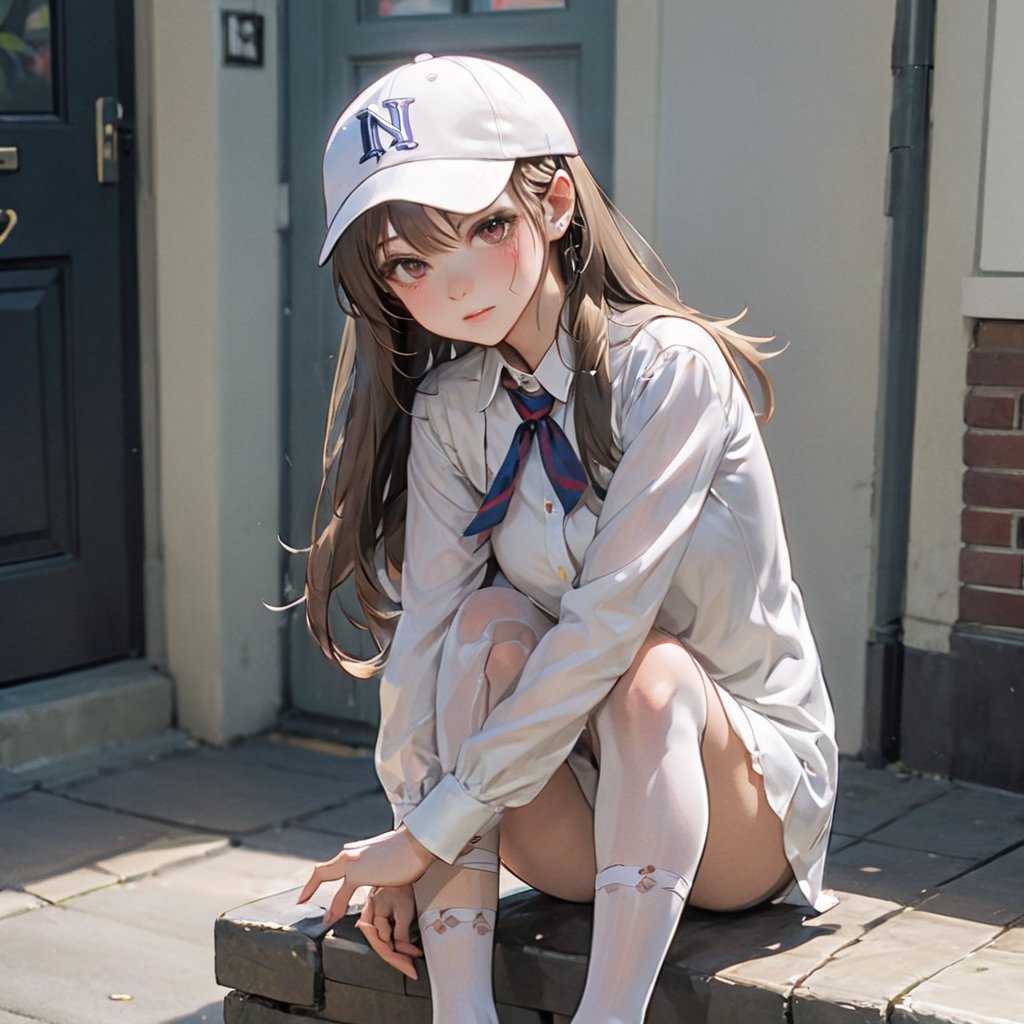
<point>359,521</point>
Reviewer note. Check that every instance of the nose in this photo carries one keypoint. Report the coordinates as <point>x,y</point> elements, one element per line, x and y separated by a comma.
<point>459,286</point>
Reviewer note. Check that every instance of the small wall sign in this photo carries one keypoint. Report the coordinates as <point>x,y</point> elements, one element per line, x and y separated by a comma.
<point>243,38</point>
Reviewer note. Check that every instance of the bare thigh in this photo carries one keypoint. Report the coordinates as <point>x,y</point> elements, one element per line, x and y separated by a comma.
<point>549,843</point>
<point>740,821</point>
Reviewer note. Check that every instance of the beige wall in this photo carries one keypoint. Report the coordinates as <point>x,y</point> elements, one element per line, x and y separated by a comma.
<point>769,162</point>
<point>209,234</point>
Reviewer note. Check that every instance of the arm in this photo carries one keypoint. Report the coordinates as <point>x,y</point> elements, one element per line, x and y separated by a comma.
<point>441,568</point>
<point>675,432</point>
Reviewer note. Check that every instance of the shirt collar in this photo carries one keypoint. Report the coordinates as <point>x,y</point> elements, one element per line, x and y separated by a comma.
<point>554,374</point>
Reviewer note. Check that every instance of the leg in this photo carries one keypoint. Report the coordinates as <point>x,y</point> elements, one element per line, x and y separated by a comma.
<point>493,632</point>
<point>741,820</point>
<point>662,733</point>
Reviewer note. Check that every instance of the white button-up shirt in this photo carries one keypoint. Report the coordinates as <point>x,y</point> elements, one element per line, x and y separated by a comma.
<point>688,540</point>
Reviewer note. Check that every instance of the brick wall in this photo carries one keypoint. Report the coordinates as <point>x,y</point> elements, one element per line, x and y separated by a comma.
<point>992,529</point>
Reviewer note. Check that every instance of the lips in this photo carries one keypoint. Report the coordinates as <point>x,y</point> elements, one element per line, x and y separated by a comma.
<point>478,314</point>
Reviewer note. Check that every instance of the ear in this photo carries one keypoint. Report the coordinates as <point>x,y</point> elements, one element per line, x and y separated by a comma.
<point>559,205</point>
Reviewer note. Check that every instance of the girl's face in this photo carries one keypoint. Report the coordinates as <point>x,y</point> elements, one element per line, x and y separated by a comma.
<point>477,290</point>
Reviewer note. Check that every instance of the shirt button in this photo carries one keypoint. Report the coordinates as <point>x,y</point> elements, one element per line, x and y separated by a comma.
<point>476,839</point>
<point>549,507</point>
<point>562,574</point>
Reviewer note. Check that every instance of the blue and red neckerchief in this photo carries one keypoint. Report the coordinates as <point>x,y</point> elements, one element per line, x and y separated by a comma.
<point>561,463</point>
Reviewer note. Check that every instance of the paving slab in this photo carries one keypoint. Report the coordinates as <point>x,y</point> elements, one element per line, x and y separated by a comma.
<point>295,841</point>
<point>14,902</point>
<point>69,884</point>
<point>869,799</point>
<point>837,842</point>
<point>62,967</point>
<point>42,835</point>
<point>961,823</point>
<point>891,872</point>
<point>208,789</point>
<point>359,818</point>
<point>162,853</point>
<point>992,893</point>
<point>310,757</point>
<point>12,785</point>
<point>752,975</point>
<point>984,987</point>
<point>185,901</point>
<point>860,983</point>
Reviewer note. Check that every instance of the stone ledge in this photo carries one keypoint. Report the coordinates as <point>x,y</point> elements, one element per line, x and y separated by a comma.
<point>721,967</point>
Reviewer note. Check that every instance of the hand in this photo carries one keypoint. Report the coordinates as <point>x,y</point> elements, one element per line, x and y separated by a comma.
<point>391,942</point>
<point>392,858</point>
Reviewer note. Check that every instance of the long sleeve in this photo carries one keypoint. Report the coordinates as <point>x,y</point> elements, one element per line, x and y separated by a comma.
<point>441,568</point>
<point>675,431</point>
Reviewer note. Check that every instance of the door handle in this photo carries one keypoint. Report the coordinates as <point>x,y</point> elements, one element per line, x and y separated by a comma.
<point>114,138</point>
<point>8,218</point>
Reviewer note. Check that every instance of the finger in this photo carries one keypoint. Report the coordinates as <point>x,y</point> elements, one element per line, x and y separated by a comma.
<point>403,921</point>
<point>383,927</point>
<point>401,946</point>
<point>339,905</point>
<point>402,940</point>
<point>366,917</point>
<point>399,961</point>
<point>326,872</point>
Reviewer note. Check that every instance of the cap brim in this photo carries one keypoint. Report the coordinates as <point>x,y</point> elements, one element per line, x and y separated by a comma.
<point>459,186</point>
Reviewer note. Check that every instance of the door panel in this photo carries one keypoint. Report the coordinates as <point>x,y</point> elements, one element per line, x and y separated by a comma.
<point>35,511</point>
<point>332,54</point>
<point>70,579</point>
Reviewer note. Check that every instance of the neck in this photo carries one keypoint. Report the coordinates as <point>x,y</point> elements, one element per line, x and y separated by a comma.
<point>532,334</point>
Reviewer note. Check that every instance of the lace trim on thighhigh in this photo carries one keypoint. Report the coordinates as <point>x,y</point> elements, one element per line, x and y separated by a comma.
<point>443,918</point>
<point>642,878</point>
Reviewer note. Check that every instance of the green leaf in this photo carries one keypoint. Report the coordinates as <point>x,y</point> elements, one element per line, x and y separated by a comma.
<point>11,43</point>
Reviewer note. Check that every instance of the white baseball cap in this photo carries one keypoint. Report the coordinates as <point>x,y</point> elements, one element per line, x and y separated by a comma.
<point>441,131</point>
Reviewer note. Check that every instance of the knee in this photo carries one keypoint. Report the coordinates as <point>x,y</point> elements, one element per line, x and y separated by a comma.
<point>483,608</point>
<point>662,676</point>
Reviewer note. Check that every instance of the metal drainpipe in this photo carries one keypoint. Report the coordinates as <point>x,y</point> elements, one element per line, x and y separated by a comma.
<point>912,63</point>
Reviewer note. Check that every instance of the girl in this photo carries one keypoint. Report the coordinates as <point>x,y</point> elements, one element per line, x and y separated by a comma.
<point>598,669</point>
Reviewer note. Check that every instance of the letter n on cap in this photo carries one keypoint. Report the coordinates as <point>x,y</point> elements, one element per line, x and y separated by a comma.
<point>371,123</point>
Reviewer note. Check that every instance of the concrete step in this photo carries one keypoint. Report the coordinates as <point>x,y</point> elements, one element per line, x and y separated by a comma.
<point>70,714</point>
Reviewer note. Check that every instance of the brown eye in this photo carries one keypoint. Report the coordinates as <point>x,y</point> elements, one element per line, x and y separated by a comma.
<point>413,268</point>
<point>494,230</point>
<point>405,271</point>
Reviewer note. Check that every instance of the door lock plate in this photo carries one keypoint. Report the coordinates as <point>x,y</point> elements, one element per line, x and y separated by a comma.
<point>8,159</point>
<point>108,143</point>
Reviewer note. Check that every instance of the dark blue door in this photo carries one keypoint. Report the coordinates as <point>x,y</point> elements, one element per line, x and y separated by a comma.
<point>70,523</point>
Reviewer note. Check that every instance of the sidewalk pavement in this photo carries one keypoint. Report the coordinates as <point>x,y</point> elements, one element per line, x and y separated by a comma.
<point>113,869</point>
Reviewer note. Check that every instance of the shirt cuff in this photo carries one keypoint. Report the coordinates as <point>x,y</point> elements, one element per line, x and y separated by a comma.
<point>448,818</point>
<point>399,811</point>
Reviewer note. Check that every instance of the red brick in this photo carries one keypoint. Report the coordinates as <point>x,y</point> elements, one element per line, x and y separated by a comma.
<point>995,528</point>
<point>998,451</point>
<point>992,607</point>
<point>999,334</point>
<point>1002,368</point>
<point>996,411</point>
<point>993,490</point>
<point>990,567</point>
